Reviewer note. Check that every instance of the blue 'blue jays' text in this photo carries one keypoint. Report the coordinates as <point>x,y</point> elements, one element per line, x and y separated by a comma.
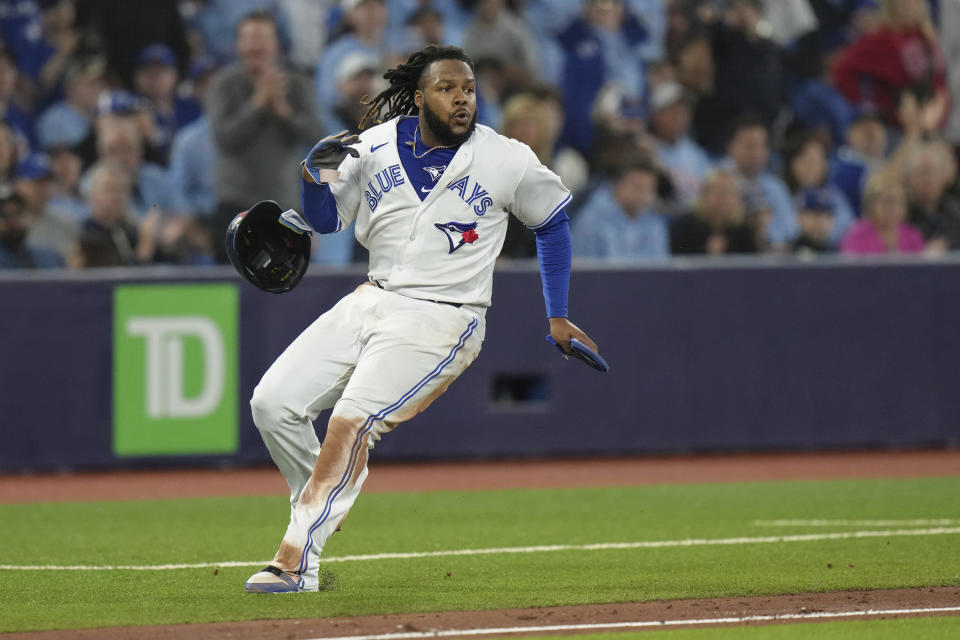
<point>477,195</point>
<point>385,179</point>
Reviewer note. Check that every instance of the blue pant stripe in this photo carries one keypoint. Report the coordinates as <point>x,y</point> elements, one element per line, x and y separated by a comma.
<point>367,426</point>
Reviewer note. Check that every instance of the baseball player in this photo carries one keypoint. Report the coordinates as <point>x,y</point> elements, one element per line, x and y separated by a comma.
<point>429,192</point>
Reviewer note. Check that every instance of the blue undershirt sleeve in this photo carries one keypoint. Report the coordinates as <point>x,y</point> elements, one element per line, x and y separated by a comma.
<point>319,206</point>
<point>554,251</point>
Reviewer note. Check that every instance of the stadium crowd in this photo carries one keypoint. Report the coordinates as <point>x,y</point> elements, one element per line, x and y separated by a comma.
<point>132,132</point>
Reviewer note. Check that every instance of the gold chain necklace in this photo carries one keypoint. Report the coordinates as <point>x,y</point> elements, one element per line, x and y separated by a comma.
<point>413,145</point>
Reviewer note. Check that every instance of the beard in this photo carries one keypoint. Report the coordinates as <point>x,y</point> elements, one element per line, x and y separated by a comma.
<point>443,131</point>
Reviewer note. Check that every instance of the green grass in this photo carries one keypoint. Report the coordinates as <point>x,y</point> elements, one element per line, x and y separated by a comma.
<point>933,628</point>
<point>248,529</point>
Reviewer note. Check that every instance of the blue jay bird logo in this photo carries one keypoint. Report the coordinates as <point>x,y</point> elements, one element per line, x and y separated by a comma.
<point>435,172</point>
<point>458,233</point>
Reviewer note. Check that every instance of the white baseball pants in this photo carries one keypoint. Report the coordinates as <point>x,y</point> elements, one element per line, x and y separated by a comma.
<point>378,358</point>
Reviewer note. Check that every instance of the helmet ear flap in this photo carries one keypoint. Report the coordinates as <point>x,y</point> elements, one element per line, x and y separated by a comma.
<point>269,247</point>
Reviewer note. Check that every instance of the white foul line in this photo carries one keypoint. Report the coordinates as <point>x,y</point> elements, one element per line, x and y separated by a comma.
<point>409,635</point>
<point>603,546</point>
<point>928,522</point>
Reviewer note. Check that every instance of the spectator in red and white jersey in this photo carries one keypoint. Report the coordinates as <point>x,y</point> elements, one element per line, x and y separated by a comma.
<point>902,56</point>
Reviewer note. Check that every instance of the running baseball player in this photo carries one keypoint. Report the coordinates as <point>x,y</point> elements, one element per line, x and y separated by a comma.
<point>429,191</point>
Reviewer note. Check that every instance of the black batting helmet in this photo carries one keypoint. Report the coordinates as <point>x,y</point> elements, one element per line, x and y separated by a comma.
<point>270,247</point>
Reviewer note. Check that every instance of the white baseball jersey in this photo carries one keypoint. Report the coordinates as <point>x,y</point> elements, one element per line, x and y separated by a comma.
<point>382,355</point>
<point>444,247</point>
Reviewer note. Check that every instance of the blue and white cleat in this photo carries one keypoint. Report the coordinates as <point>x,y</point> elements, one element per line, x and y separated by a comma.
<point>274,580</point>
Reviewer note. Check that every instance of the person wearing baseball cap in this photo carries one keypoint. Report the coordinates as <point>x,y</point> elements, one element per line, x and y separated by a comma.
<point>356,76</point>
<point>66,166</point>
<point>685,160</point>
<point>114,105</point>
<point>155,80</point>
<point>365,31</point>
<point>816,220</point>
<point>53,228</point>
<point>118,102</point>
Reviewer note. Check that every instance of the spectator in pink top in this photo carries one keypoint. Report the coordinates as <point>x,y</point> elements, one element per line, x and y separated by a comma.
<point>883,229</point>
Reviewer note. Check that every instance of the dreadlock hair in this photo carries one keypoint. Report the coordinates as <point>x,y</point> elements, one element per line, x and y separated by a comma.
<point>404,81</point>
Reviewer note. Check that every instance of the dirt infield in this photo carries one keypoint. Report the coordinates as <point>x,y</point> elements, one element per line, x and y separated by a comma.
<point>529,474</point>
<point>462,476</point>
<point>712,612</point>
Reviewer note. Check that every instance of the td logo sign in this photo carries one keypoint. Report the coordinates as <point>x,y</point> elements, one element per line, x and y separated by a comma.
<point>175,369</point>
<point>164,338</point>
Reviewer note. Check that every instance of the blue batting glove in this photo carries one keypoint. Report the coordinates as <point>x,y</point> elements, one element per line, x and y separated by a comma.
<point>329,153</point>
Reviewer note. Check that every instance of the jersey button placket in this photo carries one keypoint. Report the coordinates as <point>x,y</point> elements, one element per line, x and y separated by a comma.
<point>413,236</point>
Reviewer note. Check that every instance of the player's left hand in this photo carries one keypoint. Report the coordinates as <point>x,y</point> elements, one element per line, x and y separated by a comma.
<point>562,330</point>
<point>328,154</point>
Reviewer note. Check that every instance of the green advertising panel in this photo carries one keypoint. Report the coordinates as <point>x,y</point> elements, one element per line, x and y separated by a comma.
<point>174,369</point>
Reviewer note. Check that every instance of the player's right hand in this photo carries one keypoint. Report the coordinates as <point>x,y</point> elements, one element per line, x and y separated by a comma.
<point>328,154</point>
<point>562,330</point>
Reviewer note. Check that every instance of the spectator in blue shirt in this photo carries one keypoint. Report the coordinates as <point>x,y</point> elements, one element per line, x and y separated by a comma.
<point>684,160</point>
<point>546,20</point>
<point>601,47</point>
<point>452,15</point>
<point>551,16</point>
<point>68,122</point>
<point>619,221</point>
<point>653,15</point>
<point>192,157</point>
<point>66,167</point>
<point>817,105</point>
<point>44,37</point>
<point>17,17</point>
<point>864,152</point>
<point>748,154</point>
<point>364,24</point>
<point>155,80</point>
